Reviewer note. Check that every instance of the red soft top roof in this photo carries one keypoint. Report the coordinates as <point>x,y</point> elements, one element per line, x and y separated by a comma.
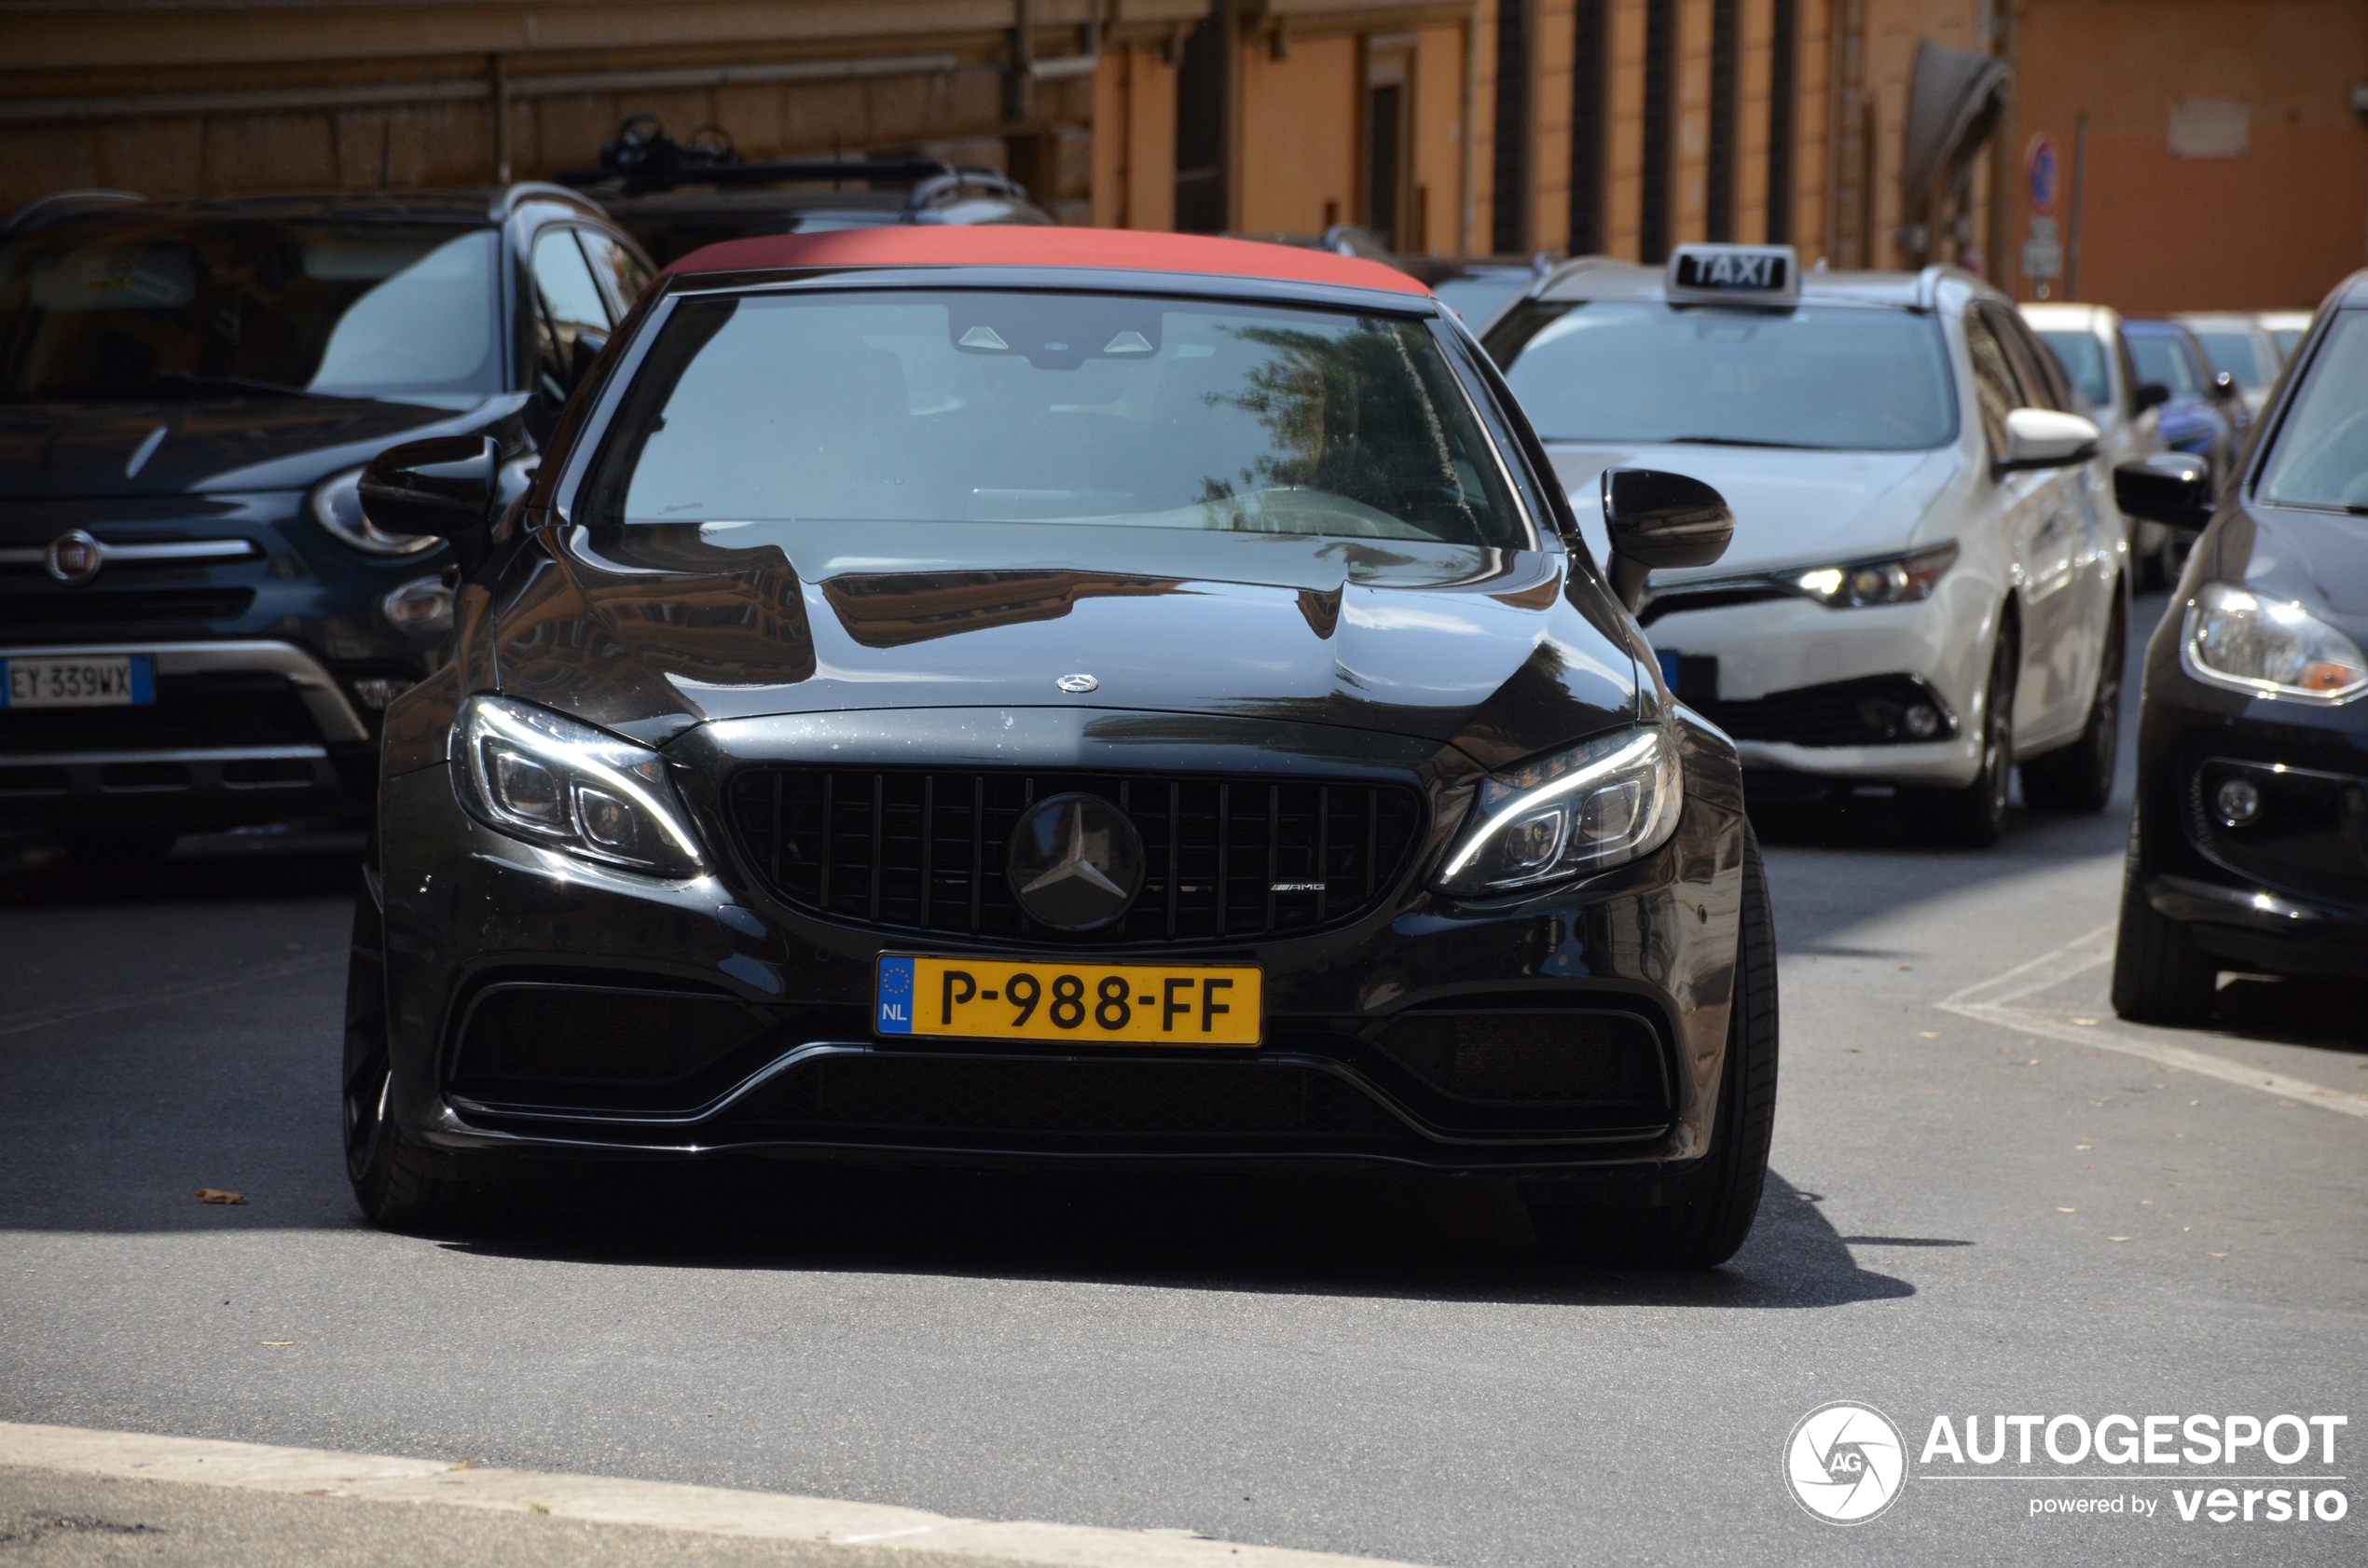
<point>1017,245</point>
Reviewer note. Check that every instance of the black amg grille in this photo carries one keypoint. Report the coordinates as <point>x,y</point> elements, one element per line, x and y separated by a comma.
<point>920,1095</point>
<point>1866,712</point>
<point>921,851</point>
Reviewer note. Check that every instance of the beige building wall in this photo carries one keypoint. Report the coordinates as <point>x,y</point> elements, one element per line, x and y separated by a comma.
<point>1298,128</point>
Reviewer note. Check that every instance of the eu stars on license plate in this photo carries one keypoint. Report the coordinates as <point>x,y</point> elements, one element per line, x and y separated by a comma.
<point>1057,1000</point>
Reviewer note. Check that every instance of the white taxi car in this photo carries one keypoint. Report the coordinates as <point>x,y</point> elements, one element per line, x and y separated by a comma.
<point>1928,582</point>
<point>2088,343</point>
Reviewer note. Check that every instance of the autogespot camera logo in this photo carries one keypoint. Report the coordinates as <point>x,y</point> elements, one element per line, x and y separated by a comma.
<point>1847,1463</point>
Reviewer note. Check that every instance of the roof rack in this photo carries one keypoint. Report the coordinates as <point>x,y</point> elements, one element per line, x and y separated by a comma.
<point>644,159</point>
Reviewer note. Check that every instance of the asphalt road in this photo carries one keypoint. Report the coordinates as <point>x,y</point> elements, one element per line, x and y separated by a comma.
<point>2010,1205</point>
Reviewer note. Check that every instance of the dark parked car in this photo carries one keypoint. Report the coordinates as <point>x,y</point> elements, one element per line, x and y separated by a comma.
<point>2250,847</point>
<point>675,196</point>
<point>2205,410</point>
<point>1059,697</point>
<point>198,626</point>
<point>1477,287</point>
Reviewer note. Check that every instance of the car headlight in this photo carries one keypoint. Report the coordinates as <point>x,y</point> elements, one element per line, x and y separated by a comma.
<point>336,506</point>
<point>1611,800</point>
<point>2236,638</point>
<point>1903,580</point>
<point>535,775</point>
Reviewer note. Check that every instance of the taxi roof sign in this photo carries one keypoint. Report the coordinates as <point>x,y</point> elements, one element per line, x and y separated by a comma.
<point>1734,275</point>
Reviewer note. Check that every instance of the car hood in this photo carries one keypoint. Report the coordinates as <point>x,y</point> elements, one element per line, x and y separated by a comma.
<point>1792,508</point>
<point>650,628</point>
<point>51,451</point>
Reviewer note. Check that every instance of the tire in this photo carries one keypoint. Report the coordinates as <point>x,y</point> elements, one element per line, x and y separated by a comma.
<point>1975,814</point>
<point>2159,976</point>
<point>2080,776</point>
<point>393,1178</point>
<point>1705,1230</point>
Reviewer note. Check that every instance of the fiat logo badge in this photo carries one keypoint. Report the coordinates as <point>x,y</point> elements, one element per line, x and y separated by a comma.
<point>73,557</point>
<point>1076,685</point>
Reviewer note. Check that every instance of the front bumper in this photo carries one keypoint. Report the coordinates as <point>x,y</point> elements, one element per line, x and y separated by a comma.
<point>1649,949</point>
<point>1789,671</point>
<point>243,732</point>
<point>2287,893</point>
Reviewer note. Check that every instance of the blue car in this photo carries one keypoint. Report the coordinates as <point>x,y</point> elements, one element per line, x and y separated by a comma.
<point>199,627</point>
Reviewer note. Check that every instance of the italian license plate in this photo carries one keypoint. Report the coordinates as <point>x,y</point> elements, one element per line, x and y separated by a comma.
<point>1055,999</point>
<point>96,680</point>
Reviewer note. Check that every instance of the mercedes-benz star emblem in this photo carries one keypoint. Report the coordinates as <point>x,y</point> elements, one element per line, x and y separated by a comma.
<point>73,557</point>
<point>1076,685</point>
<point>1075,862</point>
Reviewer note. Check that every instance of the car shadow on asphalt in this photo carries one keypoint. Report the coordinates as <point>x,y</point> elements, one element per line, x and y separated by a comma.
<point>282,861</point>
<point>1390,1236</point>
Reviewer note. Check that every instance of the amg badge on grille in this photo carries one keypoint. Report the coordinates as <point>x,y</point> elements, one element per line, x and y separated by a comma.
<point>1075,862</point>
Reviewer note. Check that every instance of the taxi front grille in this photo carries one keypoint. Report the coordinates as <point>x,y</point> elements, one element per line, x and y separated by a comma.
<point>917,850</point>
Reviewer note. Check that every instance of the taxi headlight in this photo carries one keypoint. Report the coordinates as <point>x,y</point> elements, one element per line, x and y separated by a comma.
<point>1595,806</point>
<point>2234,638</point>
<point>337,505</point>
<point>1902,580</point>
<point>530,773</point>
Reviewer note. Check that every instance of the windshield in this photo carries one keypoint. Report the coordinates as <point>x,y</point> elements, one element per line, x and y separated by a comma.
<point>406,312</point>
<point>2160,358</point>
<point>2238,354</point>
<point>1836,379</point>
<point>2322,456</point>
<point>2288,337</point>
<point>977,408</point>
<point>2083,360</point>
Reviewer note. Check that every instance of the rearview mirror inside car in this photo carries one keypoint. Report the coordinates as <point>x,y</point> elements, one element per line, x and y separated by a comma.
<point>2171,487</point>
<point>444,487</point>
<point>1659,521</point>
<point>2045,439</point>
<point>2151,394</point>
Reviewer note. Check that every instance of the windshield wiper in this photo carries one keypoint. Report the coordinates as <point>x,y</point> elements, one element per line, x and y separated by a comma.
<point>180,380</point>
<point>1738,441</point>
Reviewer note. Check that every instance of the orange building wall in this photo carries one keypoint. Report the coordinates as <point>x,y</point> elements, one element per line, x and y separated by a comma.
<point>1135,140</point>
<point>2276,227</point>
<point>1625,187</point>
<point>1439,101</point>
<point>1299,122</point>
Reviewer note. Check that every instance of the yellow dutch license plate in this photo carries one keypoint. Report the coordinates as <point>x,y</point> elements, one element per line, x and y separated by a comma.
<point>1055,999</point>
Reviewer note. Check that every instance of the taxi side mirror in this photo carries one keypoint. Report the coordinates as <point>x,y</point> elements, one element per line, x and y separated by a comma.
<point>2151,394</point>
<point>1660,520</point>
<point>2045,439</point>
<point>2170,488</point>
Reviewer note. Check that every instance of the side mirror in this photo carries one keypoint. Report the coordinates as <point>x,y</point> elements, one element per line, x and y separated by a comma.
<point>2045,439</point>
<point>2172,488</point>
<point>444,487</point>
<point>2151,394</point>
<point>1657,520</point>
<point>2223,386</point>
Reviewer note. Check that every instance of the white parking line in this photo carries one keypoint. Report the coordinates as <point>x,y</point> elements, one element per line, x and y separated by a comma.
<point>607,1500</point>
<point>41,1018</point>
<point>1991,1002</point>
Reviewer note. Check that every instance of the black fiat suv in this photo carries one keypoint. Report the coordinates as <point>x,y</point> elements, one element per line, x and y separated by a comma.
<point>1062,697</point>
<point>199,627</point>
<point>2248,849</point>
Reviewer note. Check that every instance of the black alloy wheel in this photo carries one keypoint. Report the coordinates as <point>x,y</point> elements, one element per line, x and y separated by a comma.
<point>2079,777</point>
<point>394,1179</point>
<point>2159,974</point>
<point>1707,1227</point>
<point>1975,814</point>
